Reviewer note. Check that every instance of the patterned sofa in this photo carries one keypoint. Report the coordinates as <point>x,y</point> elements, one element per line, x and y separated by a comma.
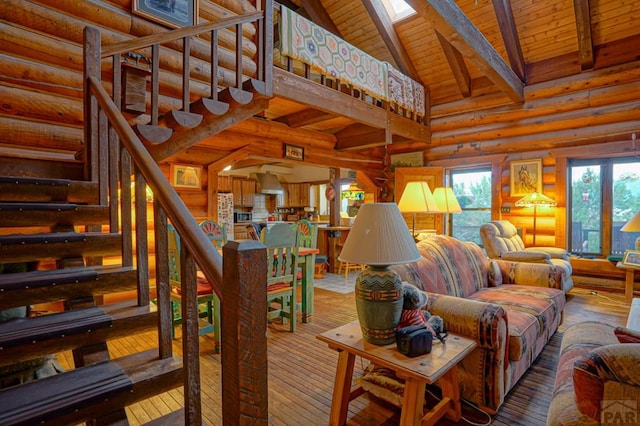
<point>597,377</point>
<point>478,298</point>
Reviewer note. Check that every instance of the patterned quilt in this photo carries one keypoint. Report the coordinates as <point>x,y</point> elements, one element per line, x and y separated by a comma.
<point>329,55</point>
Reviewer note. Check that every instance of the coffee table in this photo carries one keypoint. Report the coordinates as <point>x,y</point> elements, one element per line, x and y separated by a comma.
<point>440,364</point>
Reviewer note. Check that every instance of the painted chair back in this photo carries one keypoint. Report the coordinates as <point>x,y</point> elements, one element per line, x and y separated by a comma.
<point>215,232</point>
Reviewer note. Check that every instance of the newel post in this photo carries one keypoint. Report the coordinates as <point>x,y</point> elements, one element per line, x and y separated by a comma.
<point>244,334</point>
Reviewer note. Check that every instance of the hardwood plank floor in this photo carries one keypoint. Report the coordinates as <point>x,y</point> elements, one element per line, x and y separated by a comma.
<point>301,370</point>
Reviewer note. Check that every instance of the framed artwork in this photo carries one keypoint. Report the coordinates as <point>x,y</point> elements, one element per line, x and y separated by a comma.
<point>186,176</point>
<point>631,258</point>
<point>293,152</point>
<point>172,13</point>
<point>526,177</point>
<point>407,159</point>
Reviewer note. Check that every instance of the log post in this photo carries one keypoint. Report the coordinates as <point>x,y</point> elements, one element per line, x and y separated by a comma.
<point>244,333</point>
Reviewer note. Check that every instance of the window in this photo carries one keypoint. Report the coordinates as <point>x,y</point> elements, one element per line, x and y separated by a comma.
<point>473,191</point>
<point>397,9</point>
<point>604,194</point>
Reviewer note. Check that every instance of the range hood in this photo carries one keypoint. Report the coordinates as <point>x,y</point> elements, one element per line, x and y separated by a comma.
<point>268,183</point>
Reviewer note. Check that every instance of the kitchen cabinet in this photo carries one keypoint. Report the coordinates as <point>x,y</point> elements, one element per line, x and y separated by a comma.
<point>294,195</point>
<point>224,184</point>
<point>244,192</point>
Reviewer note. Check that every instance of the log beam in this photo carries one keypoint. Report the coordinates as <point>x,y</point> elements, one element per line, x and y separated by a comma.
<point>449,20</point>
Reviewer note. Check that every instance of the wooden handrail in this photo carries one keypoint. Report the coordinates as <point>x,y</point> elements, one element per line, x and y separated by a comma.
<point>207,258</point>
<point>179,33</point>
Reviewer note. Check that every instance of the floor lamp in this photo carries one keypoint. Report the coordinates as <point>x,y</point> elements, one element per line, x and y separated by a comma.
<point>417,198</point>
<point>447,203</point>
<point>534,200</point>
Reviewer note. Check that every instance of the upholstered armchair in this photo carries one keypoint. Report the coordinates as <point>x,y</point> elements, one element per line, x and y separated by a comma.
<point>501,241</point>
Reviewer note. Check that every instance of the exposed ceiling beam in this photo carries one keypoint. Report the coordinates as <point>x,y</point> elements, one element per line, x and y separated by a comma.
<point>449,20</point>
<point>313,95</point>
<point>382,21</point>
<point>305,117</point>
<point>319,15</point>
<point>583,26</point>
<point>231,159</point>
<point>358,136</point>
<point>457,65</point>
<point>509,32</point>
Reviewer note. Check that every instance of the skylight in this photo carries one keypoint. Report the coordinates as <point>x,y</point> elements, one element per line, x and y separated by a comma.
<point>398,9</point>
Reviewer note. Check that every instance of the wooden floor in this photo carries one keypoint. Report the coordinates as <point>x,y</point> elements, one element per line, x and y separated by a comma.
<point>301,370</point>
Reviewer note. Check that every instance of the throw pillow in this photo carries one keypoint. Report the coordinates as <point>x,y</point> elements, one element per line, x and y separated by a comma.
<point>626,335</point>
<point>495,274</point>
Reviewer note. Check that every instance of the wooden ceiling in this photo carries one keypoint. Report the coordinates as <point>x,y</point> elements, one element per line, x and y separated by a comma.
<point>470,54</point>
<point>451,46</point>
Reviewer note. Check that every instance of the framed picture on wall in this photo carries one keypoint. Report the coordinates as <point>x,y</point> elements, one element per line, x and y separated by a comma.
<point>186,176</point>
<point>407,159</point>
<point>525,177</point>
<point>293,152</point>
<point>172,13</point>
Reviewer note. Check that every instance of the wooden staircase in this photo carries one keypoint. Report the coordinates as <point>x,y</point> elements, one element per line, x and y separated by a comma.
<point>69,226</point>
<point>98,387</point>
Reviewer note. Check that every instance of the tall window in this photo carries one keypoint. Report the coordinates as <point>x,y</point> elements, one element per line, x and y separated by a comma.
<point>604,194</point>
<point>473,191</point>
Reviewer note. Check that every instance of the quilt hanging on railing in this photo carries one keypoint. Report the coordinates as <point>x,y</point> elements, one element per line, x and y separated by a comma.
<point>329,55</point>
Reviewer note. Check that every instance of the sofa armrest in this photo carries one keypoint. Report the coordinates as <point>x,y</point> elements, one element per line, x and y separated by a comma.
<point>483,322</point>
<point>605,374</point>
<point>553,252</point>
<point>527,256</point>
<point>532,274</point>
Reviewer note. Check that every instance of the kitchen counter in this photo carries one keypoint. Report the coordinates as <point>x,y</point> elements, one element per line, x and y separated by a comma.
<point>330,242</point>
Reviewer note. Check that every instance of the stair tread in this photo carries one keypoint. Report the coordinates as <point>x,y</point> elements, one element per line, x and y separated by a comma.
<point>78,394</point>
<point>44,237</point>
<point>19,188</point>
<point>56,277</point>
<point>28,288</point>
<point>22,331</point>
<point>39,213</point>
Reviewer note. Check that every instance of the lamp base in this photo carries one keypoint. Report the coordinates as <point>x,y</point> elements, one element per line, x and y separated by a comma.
<point>638,244</point>
<point>378,291</point>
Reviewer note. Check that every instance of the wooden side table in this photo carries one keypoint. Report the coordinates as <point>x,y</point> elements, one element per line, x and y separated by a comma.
<point>629,278</point>
<point>440,364</point>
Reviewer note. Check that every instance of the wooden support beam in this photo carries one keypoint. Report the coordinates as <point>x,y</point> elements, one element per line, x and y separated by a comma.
<point>305,117</point>
<point>382,21</point>
<point>449,20</point>
<point>298,89</point>
<point>583,27</point>
<point>319,15</point>
<point>457,65</point>
<point>509,32</point>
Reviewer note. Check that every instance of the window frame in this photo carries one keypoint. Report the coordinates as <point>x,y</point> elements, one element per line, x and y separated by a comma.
<point>606,200</point>
<point>450,179</point>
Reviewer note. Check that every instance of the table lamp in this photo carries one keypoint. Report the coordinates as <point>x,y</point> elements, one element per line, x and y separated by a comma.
<point>633,226</point>
<point>379,238</point>
<point>417,198</point>
<point>447,203</point>
<point>534,200</point>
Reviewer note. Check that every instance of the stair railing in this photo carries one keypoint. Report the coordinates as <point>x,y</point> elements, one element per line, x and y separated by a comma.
<point>113,153</point>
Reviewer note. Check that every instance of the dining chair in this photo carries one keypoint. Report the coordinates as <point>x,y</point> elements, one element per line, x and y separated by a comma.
<point>282,277</point>
<point>306,233</point>
<point>208,302</point>
<point>216,232</point>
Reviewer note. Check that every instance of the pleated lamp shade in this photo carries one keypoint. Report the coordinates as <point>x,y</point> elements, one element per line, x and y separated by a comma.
<point>379,237</point>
